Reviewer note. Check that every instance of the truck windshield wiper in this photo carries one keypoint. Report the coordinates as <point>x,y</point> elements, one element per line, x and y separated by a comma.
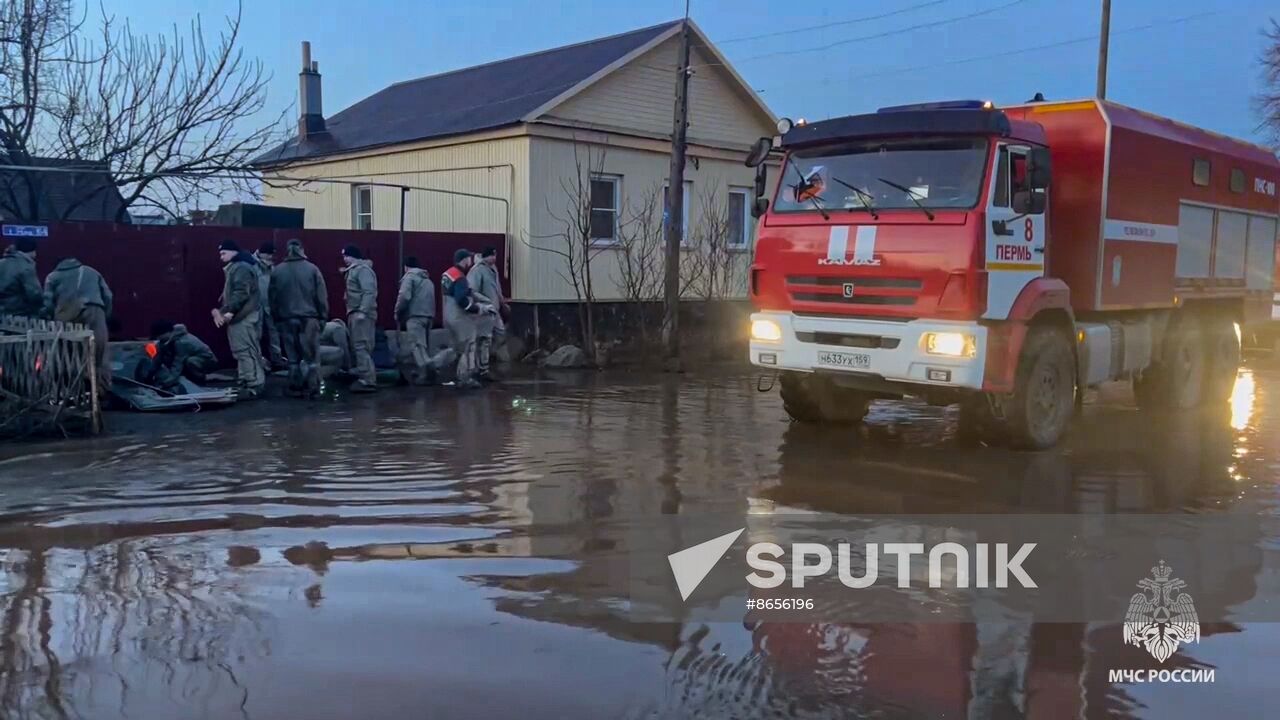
<point>910,193</point>
<point>863,195</point>
<point>800,186</point>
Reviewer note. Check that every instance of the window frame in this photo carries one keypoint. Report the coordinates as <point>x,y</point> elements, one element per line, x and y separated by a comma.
<point>616,181</point>
<point>356,214</point>
<point>748,222</point>
<point>1198,178</point>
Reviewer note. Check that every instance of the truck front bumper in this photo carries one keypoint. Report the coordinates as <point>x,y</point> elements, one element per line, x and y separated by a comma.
<point>879,350</point>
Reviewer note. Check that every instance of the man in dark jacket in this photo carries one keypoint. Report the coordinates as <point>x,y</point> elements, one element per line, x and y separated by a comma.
<point>240,314</point>
<point>362,315</point>
<point>75,292</point>
<point>416,310</point>
<point>461,313</point>
<point>266,257</point>
<point>184,353</point>
<point>19,286</point>
<point>300,306</point>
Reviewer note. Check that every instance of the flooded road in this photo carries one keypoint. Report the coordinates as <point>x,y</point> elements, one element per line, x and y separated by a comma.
<point>419,554</point>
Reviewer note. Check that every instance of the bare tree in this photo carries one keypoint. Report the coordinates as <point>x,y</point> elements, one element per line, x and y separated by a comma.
<point>640,249</point>
<point>165,120</point>
<point>575,242</point>
<point>1269,98</point>
<point>712,266</point>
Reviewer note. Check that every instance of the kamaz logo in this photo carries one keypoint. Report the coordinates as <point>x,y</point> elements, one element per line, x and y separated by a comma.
<point>873,262</point>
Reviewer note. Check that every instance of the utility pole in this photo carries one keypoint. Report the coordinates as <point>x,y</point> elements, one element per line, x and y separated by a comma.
<point>1103,41</point>
<point>673,210</point>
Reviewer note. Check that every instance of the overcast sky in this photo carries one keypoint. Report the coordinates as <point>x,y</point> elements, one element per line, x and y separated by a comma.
<point>1202,69</point>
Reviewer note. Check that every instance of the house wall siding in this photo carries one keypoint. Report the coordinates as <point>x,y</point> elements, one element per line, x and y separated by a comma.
<point>541,271</point>
<point>641,96</point>
<point>329,205</point>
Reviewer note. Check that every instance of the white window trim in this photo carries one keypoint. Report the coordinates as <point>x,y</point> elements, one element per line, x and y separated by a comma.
<point>748,222</point>
<point>355,206</point>
<point>617,206</point>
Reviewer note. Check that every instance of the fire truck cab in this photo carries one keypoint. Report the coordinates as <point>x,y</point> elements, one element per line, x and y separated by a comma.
<point>1006,259</point>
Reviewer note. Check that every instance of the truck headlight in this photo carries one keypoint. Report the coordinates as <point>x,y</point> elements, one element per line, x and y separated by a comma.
<point>950,344</point>
<point>766,330</point>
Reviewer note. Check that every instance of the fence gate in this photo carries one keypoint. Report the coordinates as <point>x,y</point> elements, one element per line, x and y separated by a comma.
<point>48,377</point>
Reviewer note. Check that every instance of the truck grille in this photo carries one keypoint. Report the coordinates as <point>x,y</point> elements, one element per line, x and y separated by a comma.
<point>866,290</point>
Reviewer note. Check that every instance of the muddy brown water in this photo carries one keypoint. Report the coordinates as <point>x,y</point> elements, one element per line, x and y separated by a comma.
<point>421,554</point>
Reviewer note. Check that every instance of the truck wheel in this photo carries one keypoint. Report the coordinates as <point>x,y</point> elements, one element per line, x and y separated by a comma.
<point>1222,350</point>
<point>1043,400</point>
<point>810,398</point>
<point>1177,380</point>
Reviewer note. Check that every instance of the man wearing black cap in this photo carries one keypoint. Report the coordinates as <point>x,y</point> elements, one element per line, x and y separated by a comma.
<point>461,310</point>
<point>266,257</point>
<point>483,279</point>
<point>362,314</point>
<point>239,313</point>
<point>20,292</point>
<point>299,303</point>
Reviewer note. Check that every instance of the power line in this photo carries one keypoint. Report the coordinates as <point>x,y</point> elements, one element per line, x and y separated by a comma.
<point>876,36</point>
<point>1047,46</point>
<point>823,26</point>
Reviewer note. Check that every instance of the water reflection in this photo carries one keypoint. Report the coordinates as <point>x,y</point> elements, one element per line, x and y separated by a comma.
<point>446,553</point>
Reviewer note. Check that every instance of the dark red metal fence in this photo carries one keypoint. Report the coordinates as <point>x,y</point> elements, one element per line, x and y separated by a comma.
<point>173,272</point>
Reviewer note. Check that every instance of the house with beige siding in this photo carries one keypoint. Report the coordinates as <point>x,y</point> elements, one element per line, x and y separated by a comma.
<point>503,147</point>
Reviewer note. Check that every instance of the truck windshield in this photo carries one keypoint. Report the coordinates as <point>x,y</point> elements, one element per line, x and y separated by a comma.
<point>938,173</point>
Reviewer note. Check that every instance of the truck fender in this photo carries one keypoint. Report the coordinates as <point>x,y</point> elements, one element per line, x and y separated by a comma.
<point>1004,339</point>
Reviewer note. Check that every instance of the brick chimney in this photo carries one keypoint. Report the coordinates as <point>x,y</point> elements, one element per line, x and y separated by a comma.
<point>311,117</point>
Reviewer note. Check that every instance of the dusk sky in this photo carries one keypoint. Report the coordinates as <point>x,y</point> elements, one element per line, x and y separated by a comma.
<point>1187,59</point>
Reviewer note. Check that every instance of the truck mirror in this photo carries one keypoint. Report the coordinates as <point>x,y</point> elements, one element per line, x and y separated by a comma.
<point>1039,168</point>
<point>1030,202</point>
<point>762,180</point>
<point>759,207</point>
<point>759,152</point>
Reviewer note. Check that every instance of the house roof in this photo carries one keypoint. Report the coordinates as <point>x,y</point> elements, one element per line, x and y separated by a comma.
<point>467,100</point>
<point>88,194</point>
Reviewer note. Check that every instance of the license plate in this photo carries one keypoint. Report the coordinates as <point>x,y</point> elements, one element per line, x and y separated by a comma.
<point>849,361</point>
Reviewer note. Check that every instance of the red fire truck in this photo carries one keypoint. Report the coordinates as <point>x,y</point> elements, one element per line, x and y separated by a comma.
<point>1007,258</point>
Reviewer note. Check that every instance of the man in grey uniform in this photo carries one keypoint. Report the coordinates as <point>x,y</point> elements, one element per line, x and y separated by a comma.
<point>239,313</point>
<point>415,310</point>
<point>483,279</point>
<point>300,305</point>
<point>362,316</point>
<point>75,292</point>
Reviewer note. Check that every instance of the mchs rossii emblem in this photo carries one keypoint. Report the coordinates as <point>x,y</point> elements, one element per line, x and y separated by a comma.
<point>1161,617</point>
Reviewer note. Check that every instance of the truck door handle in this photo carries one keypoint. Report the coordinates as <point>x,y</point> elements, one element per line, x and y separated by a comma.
<point>1000,227</point>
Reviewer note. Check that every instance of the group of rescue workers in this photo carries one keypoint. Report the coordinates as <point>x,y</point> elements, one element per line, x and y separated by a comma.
<point>287,303</point>
<point>293,317</point>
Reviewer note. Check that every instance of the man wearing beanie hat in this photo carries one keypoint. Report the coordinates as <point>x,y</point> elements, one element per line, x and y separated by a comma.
<point>20,292</point>
<point>240,314</point>
<point>362,314</point>
<point>299,303</point>
<point>483,278</point>
<point>462,309</point>
<point>266,257</point>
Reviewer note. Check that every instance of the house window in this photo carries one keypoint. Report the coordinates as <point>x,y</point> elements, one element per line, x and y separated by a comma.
<point>604,208</point>
<point>1237,180</point>
<point>740,220</point>
<point>362,207</point>
<point>684,220</point>
<point>1200,173</point>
